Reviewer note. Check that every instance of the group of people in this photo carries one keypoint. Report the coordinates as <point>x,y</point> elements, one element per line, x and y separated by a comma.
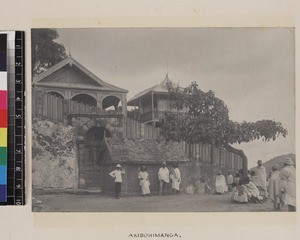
<point>164,177</point>
<point>282,186</point>
<point>279,187</point>
<point>246,191</point>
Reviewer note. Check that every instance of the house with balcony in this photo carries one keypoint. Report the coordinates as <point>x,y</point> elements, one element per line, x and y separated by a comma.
<point>70,80</point>
<point>151,104</point>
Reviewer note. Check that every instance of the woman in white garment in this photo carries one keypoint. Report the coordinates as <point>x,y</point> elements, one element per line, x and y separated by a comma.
<point>221,186</point>
<point>144,181</point>
<point>176,178</point>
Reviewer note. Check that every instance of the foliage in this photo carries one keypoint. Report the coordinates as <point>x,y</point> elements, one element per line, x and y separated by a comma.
<point>203,117</point>
<point>53,155</point>
<point>46,52</point>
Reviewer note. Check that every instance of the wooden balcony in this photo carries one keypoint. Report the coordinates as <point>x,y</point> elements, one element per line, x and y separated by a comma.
<point>151,116</point>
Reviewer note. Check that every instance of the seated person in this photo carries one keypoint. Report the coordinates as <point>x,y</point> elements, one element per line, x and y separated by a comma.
<point>207,188</point>
<point>254,178</point>
<point>221,186</point>
<point>252,191</point>
<point>237,178</point>
<point>239,194</point>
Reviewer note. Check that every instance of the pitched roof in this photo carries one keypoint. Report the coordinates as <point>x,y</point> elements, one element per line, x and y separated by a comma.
<point>159,88</point>
<point>71,61</point>
<point>145,151</point>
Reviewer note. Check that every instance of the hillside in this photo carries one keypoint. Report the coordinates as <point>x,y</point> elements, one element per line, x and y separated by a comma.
<point>277,160</point>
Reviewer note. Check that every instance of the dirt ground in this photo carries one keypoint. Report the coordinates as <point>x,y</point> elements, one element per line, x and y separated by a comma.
<point>107,203</point>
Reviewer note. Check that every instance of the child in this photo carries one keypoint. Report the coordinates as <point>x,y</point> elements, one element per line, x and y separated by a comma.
<point>204,187</point>
<point>237,179</point>
<point>117,175</point>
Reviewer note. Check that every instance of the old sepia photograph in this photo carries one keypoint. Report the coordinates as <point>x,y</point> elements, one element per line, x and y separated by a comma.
<point>163,120</point>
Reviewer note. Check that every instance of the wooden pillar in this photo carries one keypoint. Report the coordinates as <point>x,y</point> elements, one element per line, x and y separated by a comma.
<point>124,105</point>
<point>99,104</point>
<point>212,154</point>
<point>152,105</point>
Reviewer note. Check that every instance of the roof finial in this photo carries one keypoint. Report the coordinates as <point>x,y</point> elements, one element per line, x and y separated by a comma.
<point>69,44</point>
<point>167,75</point>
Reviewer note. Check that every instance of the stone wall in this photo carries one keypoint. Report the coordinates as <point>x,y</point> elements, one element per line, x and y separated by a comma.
<point>54,162</point>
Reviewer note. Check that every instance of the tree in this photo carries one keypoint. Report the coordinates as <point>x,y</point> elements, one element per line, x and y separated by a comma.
<point>203,117</point>
<point>46,52</point>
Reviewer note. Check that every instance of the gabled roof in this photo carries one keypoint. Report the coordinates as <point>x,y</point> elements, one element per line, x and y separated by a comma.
<point>71,61</point>
<point>159,88</point>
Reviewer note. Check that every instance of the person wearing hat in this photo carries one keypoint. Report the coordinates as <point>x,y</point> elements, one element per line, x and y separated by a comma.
<point>274,188</point>
<point>164,179</point>
<point>261,181</point>
<point>117,176</point>
<point>288,184</point>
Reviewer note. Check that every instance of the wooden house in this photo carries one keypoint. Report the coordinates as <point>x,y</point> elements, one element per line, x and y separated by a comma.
<point>72,81</point>
<point>153,102</point>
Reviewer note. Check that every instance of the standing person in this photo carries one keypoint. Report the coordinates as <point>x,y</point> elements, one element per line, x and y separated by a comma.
<point>163,177</point>
<point>288,183</point>
<point>117,176</point>
<point>274,188</point>
<point>144,181</point>
<point>229,180</point>
<point>176,178</point>
<point>221,186</point>
<point>261,183</point>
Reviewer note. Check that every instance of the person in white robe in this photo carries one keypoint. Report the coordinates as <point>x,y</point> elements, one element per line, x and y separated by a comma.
<point>175,176</point>
<point>261,181</point>
<point>274,188</point>
<point>144,181</point>
<point>288,184</point>
<point>221,186</point>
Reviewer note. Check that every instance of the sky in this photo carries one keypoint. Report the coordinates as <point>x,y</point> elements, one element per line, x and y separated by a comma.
<point>251,69</point>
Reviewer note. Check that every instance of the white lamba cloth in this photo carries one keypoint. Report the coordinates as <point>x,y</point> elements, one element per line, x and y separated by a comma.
<point>221,186</point>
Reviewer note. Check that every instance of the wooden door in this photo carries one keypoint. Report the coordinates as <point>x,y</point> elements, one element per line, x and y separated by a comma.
<point>89,171</point>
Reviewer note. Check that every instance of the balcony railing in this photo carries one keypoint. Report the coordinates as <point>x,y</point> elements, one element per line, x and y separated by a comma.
<point>151,116</point>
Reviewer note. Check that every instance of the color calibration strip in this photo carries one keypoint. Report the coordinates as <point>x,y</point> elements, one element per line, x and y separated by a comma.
<point>3,117</point>
<point>15,187</point>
